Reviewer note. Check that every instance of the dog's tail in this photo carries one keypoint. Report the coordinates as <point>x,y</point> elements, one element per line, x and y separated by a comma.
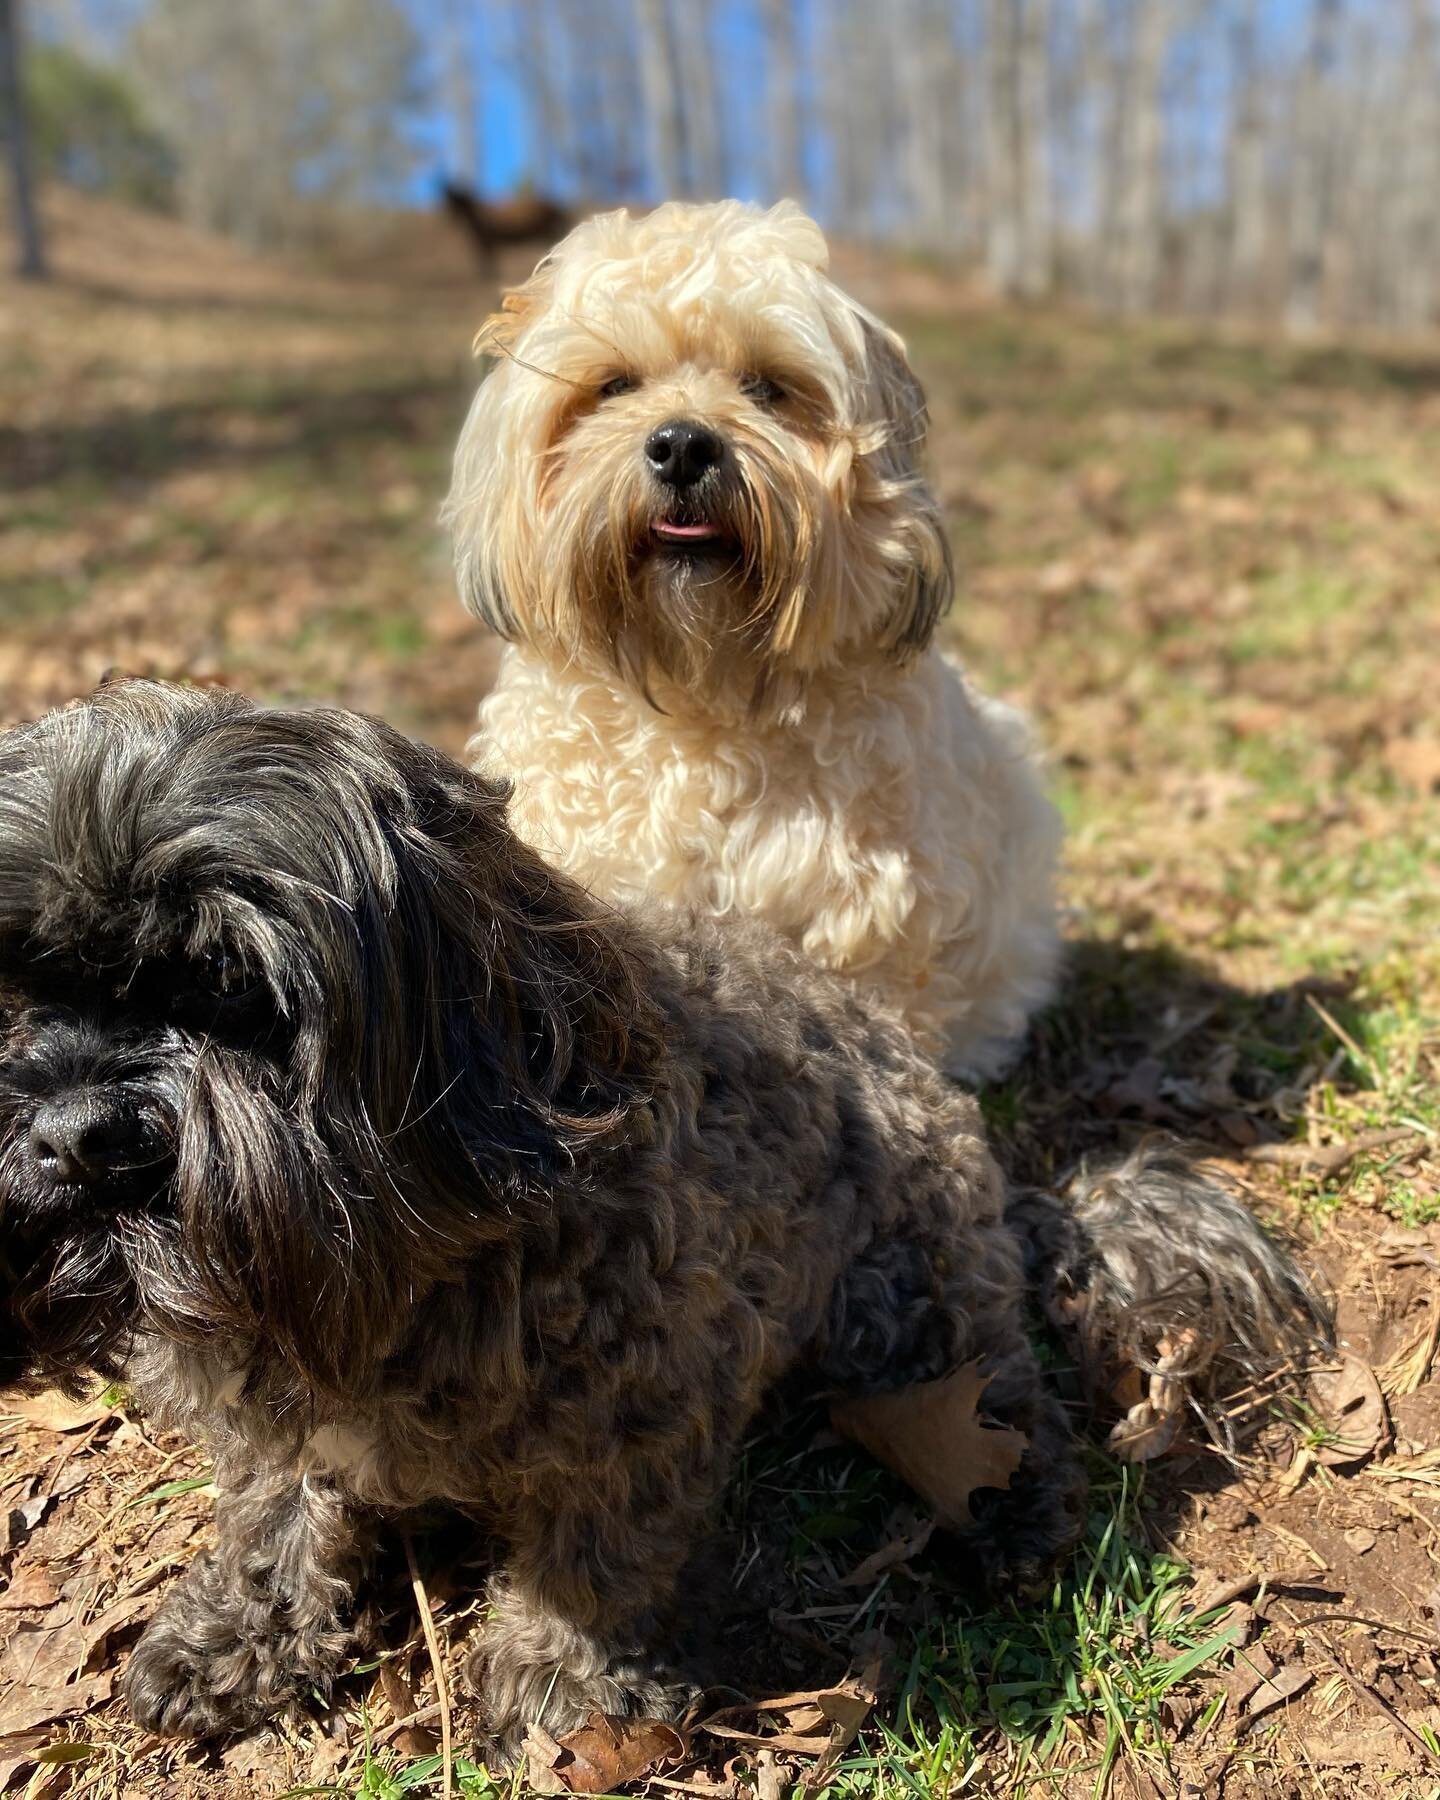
<point>1171,1294</point>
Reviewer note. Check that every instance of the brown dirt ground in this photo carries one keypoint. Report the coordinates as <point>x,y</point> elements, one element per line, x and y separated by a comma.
<point>1210,567</point>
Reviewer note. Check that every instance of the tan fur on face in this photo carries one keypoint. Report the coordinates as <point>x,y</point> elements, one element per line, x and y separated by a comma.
<point>775,736</point>
<point>840,554</point>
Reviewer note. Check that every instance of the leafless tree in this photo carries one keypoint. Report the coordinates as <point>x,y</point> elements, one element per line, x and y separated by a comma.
<point>30,260</point>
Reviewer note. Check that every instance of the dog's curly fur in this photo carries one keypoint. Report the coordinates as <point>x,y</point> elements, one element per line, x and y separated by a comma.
<point>756,721</point>
<point>423,1177</point>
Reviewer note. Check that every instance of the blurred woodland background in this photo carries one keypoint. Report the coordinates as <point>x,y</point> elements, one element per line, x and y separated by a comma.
<point>1256,159</point>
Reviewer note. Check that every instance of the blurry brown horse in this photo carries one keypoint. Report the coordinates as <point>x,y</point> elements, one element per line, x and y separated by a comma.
<point>523,219</point>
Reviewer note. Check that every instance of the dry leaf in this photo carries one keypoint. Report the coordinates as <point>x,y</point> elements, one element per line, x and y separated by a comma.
<point>1372,1746</point>
<point>817,1722</point>
<point>889,1556</point>
<point>23,1708</point>
<point>1290,1681</point>
<point>30,1587</point>
<point>932,1437</point>
<point>1353,1407</point>
<point>53,1411</point>
<point>1152,1424</point>
<point>48,1653</point>
<point>769,1779</point>
<point>603,1754</point>
<point>399,1695</point>
<point>1415,761</point>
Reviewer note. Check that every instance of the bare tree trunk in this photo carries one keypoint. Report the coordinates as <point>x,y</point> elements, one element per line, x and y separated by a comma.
<point>31,261</point>
<point>1418,176</point>
<point>1245,168</point>
<point>457,55</point>
<point>782,99</point>
<point>1033,119</point>
<point>696,63</point>
<point>548,135</point>
<point>1310,171</point>
<point>1100,111</point>
<point>922,68</point>
<point>1140,210</point>
<point>663,105</point>
<point>1002,172</point>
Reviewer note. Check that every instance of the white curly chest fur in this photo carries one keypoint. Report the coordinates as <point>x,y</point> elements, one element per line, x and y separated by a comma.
<point>898,832</point>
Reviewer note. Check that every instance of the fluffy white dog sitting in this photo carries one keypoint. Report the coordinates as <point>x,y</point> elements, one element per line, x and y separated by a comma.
<point>689,494</point>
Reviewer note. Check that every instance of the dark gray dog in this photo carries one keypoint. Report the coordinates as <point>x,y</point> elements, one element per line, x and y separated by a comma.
<point>377,1154</point>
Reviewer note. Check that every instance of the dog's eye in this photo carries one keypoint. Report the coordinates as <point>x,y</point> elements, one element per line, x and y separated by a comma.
<point>617,385</point>
<point>762,390</point>
<point>222,975</point>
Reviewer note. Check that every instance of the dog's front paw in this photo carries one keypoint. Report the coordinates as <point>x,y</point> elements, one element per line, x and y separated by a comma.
<point>520,1686</point>
<point>215,1660</point>
<point>177,1688</point>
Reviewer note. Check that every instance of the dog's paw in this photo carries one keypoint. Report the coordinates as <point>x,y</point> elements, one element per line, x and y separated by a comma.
<point>518,1694</point>
<point>176,1688</point>
<point>194,1675</point>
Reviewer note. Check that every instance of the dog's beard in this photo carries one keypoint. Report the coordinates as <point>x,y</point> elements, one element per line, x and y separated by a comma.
<point>724,616</point>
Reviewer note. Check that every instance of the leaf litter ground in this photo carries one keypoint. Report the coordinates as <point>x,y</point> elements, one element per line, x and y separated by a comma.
<point>1211,567</point>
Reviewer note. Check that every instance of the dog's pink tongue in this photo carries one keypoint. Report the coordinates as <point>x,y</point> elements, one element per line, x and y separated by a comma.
<point>663,528</point>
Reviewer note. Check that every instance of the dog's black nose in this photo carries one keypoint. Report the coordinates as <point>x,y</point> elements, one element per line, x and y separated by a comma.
<point>84,1137</point>
<point>680,452</point>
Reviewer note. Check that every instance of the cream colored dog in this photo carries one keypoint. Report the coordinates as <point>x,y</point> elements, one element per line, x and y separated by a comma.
<point>689,495</point>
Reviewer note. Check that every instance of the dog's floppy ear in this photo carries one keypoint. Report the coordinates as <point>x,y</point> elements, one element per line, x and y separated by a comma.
<point>469,1022</point>
<point>498,332</point>
<point>892,445</point>
<point>485,493</point>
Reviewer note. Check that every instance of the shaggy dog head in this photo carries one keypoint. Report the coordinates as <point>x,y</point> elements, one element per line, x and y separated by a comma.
<point>695,461</point>
<point>290,1029</point>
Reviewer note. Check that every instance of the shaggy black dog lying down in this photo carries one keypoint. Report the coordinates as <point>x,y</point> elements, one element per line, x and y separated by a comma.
<point>379,1156</point>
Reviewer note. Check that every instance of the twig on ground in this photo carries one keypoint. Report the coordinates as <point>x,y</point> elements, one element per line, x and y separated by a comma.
<point>1345,1618</point>
<point>1243,1584</point>
<point>442,1692</point>
<point>1328,1159</point>
<point>1363,1691</point>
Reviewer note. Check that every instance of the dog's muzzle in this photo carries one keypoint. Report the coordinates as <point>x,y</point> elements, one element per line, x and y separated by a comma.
<point>85,1137</point>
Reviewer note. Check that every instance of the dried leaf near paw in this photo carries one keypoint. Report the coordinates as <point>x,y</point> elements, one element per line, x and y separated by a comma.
<point>1151,1423</point>
<point>933,1437</point>
<point>821,1722</point>
<point>1353,1408</point>
<point>54,1411</point>
<point>601,1755</point>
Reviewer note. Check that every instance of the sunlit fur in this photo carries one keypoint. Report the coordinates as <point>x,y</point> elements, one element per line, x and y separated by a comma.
<point>462,1187</point>
<point>767,728</point>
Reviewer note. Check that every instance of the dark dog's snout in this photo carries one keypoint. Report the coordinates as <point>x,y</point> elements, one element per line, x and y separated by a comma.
<point>680,452</point>
<point>84,1137</point>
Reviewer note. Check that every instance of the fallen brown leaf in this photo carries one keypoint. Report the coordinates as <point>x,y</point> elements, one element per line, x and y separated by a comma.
<point>47,1653</point>
<point>29,1587</point>
<point>933,1438</point>
<point>1290,1681</point>
<point>1364,1749</point>
<point>817,1722</point>
<point>23,1708</point>
<point>52,1411</point>
<point>889,1556</point>
<point>603,1754</point>
<point>1415,761</point>
<point>1353,1407</point>
<point>769,1778</point>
